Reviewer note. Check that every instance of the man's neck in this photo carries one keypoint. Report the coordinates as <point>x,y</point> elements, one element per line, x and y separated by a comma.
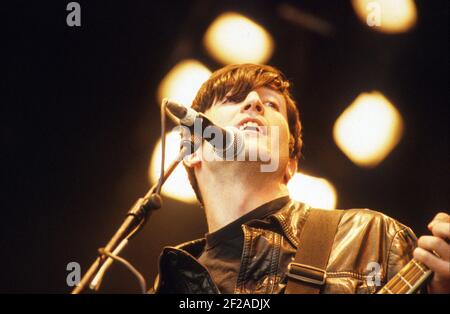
<point>228,197</point>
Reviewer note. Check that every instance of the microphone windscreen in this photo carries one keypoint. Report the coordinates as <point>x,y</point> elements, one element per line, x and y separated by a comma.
<point>176,109</point>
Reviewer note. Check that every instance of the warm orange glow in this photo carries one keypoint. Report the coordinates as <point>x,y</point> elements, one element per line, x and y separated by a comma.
<point>368,129</point>
<point>389,16</point>
<point>234,38</point>
<point>177,186</point>
<point>183,81</point>
<point>316,192</point>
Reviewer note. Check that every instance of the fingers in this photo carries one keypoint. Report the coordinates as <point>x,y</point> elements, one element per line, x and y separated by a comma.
<point>440,267</point>
<point>440,217</point>
<point>441,230</point>
<point>436,244</point>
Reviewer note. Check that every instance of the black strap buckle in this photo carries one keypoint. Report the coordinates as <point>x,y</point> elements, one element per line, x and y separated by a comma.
<point>307,273</point>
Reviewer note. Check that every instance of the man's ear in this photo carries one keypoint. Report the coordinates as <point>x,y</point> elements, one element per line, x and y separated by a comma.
<point>193,160</point>
<point>291,169</point>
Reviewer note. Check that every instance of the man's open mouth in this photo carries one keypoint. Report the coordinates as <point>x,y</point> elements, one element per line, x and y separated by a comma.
<point>252,125</point>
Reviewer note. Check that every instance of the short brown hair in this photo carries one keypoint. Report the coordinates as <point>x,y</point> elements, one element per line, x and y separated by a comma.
<point>236,81</point>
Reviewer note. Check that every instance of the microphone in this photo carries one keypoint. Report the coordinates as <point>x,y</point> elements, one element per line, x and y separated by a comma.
<point>226,141</point>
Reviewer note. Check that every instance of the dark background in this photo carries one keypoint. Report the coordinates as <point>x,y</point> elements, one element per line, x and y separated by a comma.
<point>80,119</point>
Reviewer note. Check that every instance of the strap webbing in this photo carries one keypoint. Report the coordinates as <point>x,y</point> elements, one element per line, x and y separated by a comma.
<point>307,274</point>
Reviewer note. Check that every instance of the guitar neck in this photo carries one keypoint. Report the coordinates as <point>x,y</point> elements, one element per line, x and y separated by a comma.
<point>408,279</point>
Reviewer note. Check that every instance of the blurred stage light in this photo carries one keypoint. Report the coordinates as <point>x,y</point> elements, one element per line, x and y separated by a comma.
<point>177,186</point>
<point>389,16</point>
<point>368,129</point>
<point>316,192</point>
<point>234,38</point>
<point>183,81</point>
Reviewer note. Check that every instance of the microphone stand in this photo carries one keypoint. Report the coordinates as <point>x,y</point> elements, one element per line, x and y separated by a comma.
<point>136,217</point>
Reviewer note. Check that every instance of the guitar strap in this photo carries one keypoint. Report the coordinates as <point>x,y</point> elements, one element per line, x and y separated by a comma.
<point>307,273</point>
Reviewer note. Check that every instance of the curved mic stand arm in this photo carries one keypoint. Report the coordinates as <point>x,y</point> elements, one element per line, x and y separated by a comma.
<point>136,218</point>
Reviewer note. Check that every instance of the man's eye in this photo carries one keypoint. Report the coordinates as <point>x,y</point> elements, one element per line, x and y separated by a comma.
<point>272,104</point>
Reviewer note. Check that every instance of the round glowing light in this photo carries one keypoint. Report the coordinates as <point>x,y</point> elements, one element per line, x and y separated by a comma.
<point>389,16</point>
<point>183,81</point>
<point>234,38</point>
<point>368,129</point>
<point>316,192</point>
<point>177,185</point>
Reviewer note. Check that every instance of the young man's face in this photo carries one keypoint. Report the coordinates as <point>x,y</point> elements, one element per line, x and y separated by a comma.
<point>262,117</point>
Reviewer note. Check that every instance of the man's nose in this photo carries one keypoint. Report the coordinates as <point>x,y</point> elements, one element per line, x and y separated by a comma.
<point>252,104</point>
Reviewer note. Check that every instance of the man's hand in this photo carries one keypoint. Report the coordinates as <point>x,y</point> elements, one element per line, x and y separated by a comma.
<point>438,242</point>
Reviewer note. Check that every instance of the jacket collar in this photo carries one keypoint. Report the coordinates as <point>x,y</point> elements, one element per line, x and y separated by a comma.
<point>291,218</point>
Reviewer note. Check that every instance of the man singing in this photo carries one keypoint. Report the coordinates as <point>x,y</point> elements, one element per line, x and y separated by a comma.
<point>254,228</point>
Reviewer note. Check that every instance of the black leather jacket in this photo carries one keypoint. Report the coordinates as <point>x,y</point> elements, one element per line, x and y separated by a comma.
<point>363,236</point>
